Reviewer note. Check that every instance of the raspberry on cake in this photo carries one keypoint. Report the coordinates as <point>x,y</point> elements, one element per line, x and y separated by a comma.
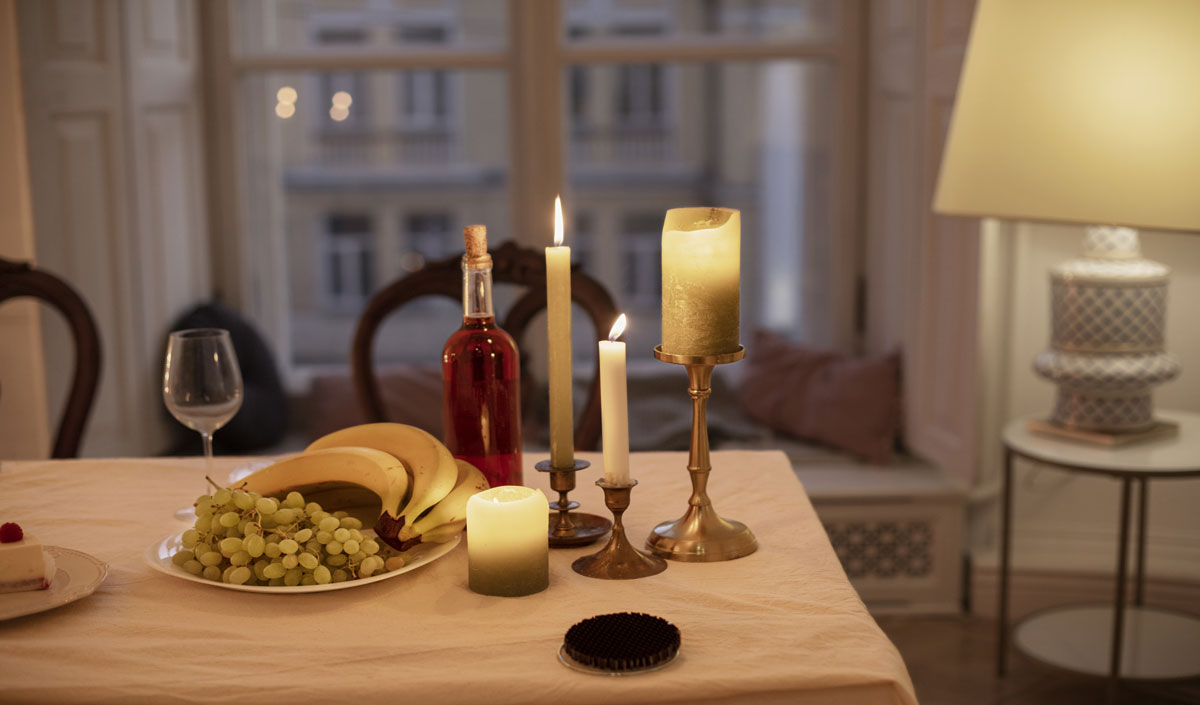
<point>23,563</point>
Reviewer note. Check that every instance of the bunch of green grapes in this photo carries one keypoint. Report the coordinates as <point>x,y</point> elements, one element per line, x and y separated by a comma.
<point>247,539</point>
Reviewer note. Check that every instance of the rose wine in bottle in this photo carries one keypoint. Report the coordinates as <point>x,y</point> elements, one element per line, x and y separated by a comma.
<point>481,376</point>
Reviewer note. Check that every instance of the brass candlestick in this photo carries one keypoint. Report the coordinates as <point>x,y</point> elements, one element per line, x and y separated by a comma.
<point>700,535</point>
<point>618,560</point>
<point>566,528</point>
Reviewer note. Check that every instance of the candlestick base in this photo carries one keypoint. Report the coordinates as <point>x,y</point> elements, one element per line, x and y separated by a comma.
<point>569,528</point>
<point>700,535</point>
<point>618,560</point>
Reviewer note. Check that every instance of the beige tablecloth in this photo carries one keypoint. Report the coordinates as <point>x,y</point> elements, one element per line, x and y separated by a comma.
<point>780,626</point>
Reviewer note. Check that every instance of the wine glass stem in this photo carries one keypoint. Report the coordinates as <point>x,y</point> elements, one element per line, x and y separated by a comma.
<point>208,454</point>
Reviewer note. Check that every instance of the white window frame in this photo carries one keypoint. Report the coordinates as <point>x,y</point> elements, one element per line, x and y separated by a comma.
<point>534,57</point>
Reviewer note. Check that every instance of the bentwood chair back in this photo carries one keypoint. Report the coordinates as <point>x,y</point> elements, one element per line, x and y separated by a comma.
<point>20,279</point>
<point>511,264</point>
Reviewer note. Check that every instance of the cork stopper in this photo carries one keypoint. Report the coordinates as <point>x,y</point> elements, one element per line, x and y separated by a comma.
<point>475,237</point>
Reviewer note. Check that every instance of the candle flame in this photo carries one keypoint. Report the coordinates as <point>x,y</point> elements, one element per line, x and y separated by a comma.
<point>617,329</point>
<point>558,223</point>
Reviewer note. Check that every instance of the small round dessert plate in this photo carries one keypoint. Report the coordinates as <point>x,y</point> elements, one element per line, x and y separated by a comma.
<point>76,575</point>
<point>574,665</point>
<point>158,556</point>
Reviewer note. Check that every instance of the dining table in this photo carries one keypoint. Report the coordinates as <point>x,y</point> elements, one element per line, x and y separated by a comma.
<point>781,625</point>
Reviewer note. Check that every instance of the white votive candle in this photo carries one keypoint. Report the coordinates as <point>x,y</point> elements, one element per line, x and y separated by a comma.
<point>558,325</point>
<point>701,260</point>
<point>614,406</point>
<point>508,548</point>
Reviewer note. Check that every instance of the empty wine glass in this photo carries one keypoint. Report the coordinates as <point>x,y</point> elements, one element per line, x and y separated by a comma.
<point>202,385</point>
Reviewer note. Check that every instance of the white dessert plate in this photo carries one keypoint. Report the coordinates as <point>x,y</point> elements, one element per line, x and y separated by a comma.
<point>159,555</point>
<point>76,576</point>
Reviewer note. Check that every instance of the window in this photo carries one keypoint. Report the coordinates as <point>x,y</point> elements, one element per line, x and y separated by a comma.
<point>640,121</point>
<point>346,257</point>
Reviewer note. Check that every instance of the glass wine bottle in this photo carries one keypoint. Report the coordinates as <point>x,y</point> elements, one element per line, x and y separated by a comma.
<point>481,376</point>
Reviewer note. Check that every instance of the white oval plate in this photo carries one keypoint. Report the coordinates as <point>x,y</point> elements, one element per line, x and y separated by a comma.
<point>242,472</point>
<point>76,576</point>
<point>159,555</point>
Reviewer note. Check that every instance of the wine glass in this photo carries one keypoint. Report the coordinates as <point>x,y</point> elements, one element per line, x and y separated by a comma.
<point>202,385</point>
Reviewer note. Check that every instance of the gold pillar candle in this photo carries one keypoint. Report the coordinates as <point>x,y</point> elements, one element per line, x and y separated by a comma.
<point>701,262</point>
<point>558,325</point>
<point>508,551</point>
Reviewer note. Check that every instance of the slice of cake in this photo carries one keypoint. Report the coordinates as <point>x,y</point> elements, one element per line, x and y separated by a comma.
<point>23,563</point>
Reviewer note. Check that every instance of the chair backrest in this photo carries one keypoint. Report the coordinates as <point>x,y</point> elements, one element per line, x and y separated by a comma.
<point>511,264</point>
<point>22,279</point>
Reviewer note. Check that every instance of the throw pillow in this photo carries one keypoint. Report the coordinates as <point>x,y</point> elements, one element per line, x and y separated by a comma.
<point>849,403</point>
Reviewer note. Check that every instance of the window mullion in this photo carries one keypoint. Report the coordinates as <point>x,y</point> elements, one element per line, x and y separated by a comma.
<point>536,117</point>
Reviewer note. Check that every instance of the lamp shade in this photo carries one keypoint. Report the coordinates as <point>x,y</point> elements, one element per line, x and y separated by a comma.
<point>1084,111</point>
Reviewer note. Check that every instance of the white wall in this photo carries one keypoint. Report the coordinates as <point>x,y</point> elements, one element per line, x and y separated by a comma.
<point>1067,521</point>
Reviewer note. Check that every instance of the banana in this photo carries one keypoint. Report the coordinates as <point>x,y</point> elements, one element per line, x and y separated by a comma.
<point>443,533</point>
<point>353,475</point>
<point>452,509</point>
<point>433,469</point>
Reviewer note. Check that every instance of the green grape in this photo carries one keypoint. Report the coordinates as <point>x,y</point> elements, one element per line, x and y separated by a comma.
<point>351,523</point>
<point>266,506</point>
<point>222,496</point>
<point>358,557</point>
<point>290,561</point>
<point>284,516</point>
<point>225,573</point>
<point>241,526</point>
<point>190,537</point>
<point>356,535</point>
<point>242,500</point>
<point>309,561</point>
<point>289,546</point>
<point>329,524</point>
<point>202,548</point>
<point>274,570</point>
<point>182,556</point>
<point>232,532</point>
<point>322,575</point>
<point>276,582</point>
<point>260,568</point>
<point>312,508</point>
<point>340,576</point>
<point>324,537</point>
<point>308,580</point>
<point>212,559</point>
<point>333,548</point>
<point>341,535</point>
<point>230,546</point>
<point>366,568</point>
<point>319,516</point>
<point>337,560</point>
<point>216,524</point>
<point>303,535</point>
<point>254,545</point>
<point>203,522</point>
<point>370,547</point>
<point>229,519</point>
<point>313,546</point>
<point>394,563</point>
<point>251,529</point>
<point>240,558</point>
<point>340,514</point>
<point>350,547</point>
<point>272,549</point>
<point>294,500</point>
<point>293,576</point>
<point>194,567</point>
<point>239,575</point>
<point>212,572</point>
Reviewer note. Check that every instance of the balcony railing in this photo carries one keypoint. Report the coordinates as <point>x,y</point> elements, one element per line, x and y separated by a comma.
<point>622,145</point>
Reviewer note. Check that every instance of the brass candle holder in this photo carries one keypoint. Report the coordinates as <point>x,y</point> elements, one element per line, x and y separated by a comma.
<point>566,528</point>
<point>700,535</point>
<point>618,560</point>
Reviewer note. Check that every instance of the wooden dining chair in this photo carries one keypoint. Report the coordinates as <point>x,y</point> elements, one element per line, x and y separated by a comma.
<point>20,279</point>
<point>511,264</point>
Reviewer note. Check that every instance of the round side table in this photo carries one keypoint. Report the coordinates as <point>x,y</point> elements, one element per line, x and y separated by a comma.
<point>1118,641</point>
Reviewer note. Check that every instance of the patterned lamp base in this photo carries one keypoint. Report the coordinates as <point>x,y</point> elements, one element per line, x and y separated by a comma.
<point>1108,311</point>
